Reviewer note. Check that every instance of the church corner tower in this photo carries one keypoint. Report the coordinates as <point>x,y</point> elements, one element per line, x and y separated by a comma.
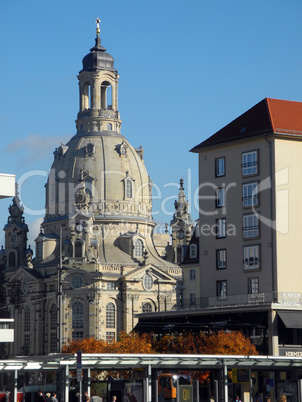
<point>95,248</point>
<point>16,252</point>
<point>182,227</point>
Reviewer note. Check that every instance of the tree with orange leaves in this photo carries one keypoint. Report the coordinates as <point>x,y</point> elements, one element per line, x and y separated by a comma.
<point>219,343</point>
<point>127,343</point>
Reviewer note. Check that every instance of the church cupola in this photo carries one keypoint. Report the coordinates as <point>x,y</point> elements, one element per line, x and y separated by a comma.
<point>98,59</point>
<point>98,85</point>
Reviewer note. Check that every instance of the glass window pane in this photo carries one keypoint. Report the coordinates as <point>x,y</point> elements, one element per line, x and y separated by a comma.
<point>249,163</point>
<point>138,248</point>
<point>77,315</point>
<point>110,315</point>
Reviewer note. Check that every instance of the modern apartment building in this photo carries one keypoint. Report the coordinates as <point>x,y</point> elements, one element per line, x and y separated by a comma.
<point>250,220</point>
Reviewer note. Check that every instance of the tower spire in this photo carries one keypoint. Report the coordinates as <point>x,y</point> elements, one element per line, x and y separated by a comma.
<point>98,31</point>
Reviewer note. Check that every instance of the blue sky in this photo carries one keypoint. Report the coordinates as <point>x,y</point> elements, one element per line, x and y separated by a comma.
<point>186,70</point>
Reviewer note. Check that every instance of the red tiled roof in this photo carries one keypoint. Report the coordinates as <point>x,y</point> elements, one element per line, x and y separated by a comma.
<point>267,117</point>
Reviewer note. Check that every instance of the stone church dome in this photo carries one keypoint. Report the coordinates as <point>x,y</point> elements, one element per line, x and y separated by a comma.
<point>102,171</point>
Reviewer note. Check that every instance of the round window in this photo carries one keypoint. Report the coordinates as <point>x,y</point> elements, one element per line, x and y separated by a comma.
<point>77,282</point>
<point>148,282</point>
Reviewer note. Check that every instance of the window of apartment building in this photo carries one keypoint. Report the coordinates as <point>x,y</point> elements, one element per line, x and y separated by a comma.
<point>221,289</point>
<point>253,286</point>
<point>250,163</point>
<point>192,274</point>
<point>250,226</point>
<point>221,228</point>
<point>220,167</point>
<point>221,259</point>
<point>251,258</point>
<point>220,197</point>
<point>250,194</point>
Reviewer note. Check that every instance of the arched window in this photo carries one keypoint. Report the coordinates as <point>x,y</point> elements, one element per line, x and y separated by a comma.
<point>53,317</point>
<point>78,249</point>
<point>77,315</point>
<point>110,315</point>
<point>89,187</point>
<point>128,189</point>
<point>193,251</point>
<point>106,95</point>
<point>27,319</point>
<point>138,248</point>
<point>86,96</point>
<point>109,126</point>
<point>39,250</point>
<point>147,308</point>
<point>12,259</point>
<point>179,255</point>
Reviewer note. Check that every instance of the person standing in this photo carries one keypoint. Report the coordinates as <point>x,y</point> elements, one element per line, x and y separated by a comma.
<point>53,397</point>
<point>41,397</point>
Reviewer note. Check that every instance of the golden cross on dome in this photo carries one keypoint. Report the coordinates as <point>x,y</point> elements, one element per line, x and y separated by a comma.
<point>98,26</point>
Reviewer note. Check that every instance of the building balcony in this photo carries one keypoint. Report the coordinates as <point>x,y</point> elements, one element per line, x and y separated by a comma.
<point>282,299</point>
<point>104,113</point>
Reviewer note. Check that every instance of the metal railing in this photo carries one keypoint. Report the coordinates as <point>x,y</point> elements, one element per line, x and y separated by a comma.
<point>290,299</point>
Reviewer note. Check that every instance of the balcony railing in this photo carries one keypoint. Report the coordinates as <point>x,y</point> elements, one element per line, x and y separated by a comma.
<point>289,299</point>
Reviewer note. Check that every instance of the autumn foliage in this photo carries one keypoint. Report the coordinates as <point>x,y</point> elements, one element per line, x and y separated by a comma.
<point>127,343</point>
<point>219,343</point>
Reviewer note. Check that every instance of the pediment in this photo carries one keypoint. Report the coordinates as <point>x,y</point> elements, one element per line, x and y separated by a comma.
<point>156,272</point>
<point>70,273</point>
<point>24,274</point>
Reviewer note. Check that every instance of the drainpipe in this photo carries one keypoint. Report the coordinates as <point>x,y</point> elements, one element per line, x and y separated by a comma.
<point>271,212</point>
<point>272,330</point>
